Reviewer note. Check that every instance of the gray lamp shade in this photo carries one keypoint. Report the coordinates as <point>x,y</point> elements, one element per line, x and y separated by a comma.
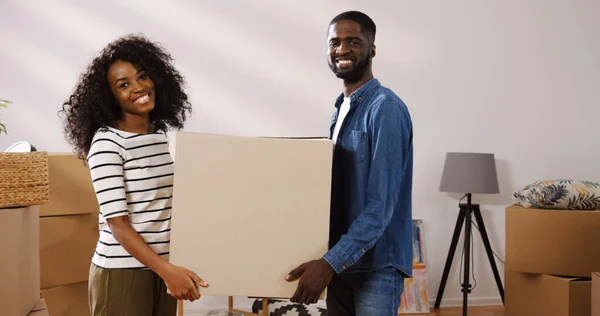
<point>469,173</point>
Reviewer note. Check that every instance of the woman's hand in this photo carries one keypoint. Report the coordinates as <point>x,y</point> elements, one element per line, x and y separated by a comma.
<point>182,283</point>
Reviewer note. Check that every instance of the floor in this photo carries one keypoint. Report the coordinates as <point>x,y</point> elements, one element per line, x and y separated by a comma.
<point>472,311</point>
<point>448,311</point>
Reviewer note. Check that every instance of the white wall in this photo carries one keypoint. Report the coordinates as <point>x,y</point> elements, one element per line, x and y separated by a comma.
<point>514,78</point>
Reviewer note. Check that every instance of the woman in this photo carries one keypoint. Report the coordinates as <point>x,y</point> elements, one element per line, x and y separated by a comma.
<point>116,119</point>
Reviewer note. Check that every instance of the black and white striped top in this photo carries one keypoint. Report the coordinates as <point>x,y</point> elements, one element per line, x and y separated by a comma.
<point>132,176</point>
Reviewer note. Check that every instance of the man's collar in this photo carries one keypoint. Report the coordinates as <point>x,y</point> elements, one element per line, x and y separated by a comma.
<point>361,93</point>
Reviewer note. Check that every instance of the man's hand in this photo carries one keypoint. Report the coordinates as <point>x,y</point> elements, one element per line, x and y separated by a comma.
<point>314,277</point>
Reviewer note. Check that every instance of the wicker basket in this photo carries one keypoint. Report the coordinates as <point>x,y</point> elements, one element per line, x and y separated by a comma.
<point>24,179</point>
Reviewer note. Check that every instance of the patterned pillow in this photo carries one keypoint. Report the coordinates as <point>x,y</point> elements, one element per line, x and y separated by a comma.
<point>560,194</point>
<point>278,307</point>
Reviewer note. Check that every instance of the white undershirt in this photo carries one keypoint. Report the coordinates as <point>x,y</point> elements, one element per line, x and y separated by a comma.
<point>344,108</point>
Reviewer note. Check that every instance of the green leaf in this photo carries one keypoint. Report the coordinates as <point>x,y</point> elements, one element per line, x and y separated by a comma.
<point>3,104</point>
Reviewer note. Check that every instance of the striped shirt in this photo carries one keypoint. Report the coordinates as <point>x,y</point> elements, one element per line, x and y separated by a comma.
<point>132,175</point>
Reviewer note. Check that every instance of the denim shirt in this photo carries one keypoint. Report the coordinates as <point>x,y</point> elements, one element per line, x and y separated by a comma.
<point>371,202</point>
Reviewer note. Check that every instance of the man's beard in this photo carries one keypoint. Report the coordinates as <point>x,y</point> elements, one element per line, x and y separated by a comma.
<point>356,73</point>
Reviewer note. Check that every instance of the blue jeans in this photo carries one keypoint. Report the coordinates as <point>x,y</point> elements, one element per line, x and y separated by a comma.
<point>375,293</point>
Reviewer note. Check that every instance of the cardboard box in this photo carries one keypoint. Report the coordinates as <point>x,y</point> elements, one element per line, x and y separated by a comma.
<point>246,210</point>
<point>596,294</point>
<point>71,188</point>
<point>39,309</point>
<point>67,300</point>
<point>19,260</point>
<point>548,295</point>
<point>67,244</point>
<point>559,242</point>
<point>41,312</point>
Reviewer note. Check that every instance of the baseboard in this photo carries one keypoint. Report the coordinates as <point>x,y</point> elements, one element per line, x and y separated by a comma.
<point>473,301</point>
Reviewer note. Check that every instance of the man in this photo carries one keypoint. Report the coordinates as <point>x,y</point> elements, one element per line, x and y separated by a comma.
<point>371,218</point>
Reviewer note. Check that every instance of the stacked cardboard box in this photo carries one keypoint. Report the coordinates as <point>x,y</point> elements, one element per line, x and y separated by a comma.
<point>596,294</point>
<point>550,258</point>
<point>68,236</point>
<point>19,260</point>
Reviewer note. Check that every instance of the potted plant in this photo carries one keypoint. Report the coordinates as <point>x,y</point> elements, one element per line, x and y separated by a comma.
<point>3,104</point>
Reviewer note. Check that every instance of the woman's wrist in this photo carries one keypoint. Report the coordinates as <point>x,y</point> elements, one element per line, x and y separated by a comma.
<point>161,267</point>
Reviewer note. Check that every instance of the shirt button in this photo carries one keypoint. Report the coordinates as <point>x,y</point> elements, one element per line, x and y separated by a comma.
<point>344,267</point>
<point>364,251</point>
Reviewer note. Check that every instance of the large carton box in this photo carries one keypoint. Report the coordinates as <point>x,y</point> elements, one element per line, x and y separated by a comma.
<point>596,294</point>
<point>71,188</point>
<point>19,260</point>
<point>548,295</point>
<point>560,242</point>
<point>67,244</point>
<point>246,210</point>
<point>67,300</point>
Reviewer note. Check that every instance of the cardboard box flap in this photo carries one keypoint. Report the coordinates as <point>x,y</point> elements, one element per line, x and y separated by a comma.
<point>568,279</point>
<point>558,283</point>
<point>40,305</point>
<point>41,312</point>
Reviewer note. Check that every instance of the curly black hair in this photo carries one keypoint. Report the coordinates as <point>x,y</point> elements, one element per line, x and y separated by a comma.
<point>92,105</point>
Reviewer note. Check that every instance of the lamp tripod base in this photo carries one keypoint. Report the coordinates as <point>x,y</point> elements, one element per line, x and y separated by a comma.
<point>465,216</point>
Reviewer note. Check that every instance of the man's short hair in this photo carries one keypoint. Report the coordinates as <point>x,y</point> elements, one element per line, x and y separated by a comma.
<point>367,26</point>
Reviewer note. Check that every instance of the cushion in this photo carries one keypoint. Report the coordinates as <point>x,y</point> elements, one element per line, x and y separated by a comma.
<point>560,194</point>
<point>278,307</point>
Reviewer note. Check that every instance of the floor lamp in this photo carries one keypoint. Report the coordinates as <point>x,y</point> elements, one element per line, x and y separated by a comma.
<point>469,173</point>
